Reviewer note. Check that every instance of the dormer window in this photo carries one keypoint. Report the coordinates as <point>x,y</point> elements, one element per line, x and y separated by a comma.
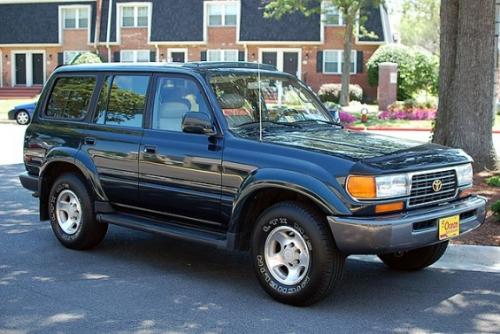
<point>76,17</point>
<point>222,13</point>
<point>136,16</point>
<point>332,15</point>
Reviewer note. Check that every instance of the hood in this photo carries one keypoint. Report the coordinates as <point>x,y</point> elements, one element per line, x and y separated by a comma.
<point>377,151</point>
<point>31,105</point>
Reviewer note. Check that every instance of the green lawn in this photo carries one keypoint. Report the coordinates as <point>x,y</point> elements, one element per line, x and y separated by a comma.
<point>6,105</point>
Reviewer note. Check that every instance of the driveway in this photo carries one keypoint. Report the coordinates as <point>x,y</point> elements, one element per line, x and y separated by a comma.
<point>140,283</point>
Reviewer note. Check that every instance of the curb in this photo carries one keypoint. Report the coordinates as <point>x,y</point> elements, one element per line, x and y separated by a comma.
<point>381,128</point>
<point>459,257</point>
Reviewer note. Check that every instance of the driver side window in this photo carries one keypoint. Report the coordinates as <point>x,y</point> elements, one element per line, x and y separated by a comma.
<point>176,96</point>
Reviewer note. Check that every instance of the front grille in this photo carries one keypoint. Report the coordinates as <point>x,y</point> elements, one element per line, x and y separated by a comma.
<point>422,192</point>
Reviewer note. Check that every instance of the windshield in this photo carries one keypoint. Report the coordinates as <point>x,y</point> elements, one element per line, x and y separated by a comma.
<point>283,100</point>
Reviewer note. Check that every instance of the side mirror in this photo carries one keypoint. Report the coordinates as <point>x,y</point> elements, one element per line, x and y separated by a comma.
<point>197,122</point>
<point>335,114</point>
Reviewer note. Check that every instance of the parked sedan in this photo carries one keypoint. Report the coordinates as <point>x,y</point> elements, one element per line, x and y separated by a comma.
<point>22,113</point>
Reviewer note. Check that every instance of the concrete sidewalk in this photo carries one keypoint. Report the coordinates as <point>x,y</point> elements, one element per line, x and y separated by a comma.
<point>460,257</point>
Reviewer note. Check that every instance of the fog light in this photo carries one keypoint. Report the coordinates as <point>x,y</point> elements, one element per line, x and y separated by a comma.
<point>389,207</point>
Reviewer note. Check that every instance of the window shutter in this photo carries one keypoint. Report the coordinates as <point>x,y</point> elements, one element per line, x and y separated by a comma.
<point>116,56</point>
<point>241,55</point>
<point>359,62</point>
<point>319,61</point>
<point>60,58</point>
<point>203,56</point>
<point>152,56</point>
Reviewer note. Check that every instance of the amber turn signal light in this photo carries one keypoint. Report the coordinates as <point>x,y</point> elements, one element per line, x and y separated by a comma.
<point>361,187</point>
<point>389,207</point>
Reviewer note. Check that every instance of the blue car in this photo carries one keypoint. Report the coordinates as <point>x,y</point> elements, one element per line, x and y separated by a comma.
<point>22,113</point>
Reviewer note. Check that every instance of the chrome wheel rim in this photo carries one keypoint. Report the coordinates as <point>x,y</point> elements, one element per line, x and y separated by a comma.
<point>286,255</point>
<point>23,117</point>
<point>68,211</point>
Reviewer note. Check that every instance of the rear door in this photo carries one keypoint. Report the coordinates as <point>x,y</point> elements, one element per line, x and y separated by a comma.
<point>180,173</point>
<point>112,139</point>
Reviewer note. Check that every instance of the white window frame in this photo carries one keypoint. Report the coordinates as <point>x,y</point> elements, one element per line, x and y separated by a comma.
<point>340,54</point>
<point>223,4</point>
<point>135,55</point>
<point>222,54</point>
<point>183,50</point>
<point>135,7</point>
<point>66,52</point>
<point>325,5</point>
<point>77,10</point>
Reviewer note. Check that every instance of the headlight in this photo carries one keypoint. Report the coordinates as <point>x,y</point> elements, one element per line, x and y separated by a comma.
<point>464,175</point>
<point>378,187</point>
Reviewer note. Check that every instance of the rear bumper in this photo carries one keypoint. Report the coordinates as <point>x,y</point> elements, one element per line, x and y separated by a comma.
<point>403,231</point>
<point>29,182</point>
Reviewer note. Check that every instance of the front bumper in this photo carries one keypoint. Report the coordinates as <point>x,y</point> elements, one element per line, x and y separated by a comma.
<point>403,231</point>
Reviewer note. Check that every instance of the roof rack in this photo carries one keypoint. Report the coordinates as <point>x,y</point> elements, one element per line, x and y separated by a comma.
<point>229,64</point>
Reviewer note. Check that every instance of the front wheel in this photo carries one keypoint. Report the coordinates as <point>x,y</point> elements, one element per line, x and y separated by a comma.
<point>294,254</point>
<point>22,117</point>
<point>415,259</point>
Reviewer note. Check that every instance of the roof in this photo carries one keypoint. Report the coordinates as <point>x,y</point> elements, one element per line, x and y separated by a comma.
<point>186,67</point>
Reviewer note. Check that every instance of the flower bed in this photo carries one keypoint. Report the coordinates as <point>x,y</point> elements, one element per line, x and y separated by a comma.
<point>410,115</point>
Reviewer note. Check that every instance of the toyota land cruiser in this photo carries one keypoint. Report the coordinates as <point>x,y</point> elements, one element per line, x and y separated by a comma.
<point>243,157</point>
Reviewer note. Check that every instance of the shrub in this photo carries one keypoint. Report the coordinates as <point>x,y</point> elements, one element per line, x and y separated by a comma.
<point>417,69</point>
<point>410,110</point>
<point>493,181</point>
<point>86,58</point>
<point>331,92</point>
<point>495,207</point>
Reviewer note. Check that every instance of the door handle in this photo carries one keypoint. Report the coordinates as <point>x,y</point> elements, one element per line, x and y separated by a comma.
<point>89,141</point>
<point>150,149</point>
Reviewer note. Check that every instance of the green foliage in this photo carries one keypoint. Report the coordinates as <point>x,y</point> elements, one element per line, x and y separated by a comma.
<point>493,181</point>
<point>331,93</point>
<point>420,24</point>
<point>86,58</point>
<point>495,207</point>
<point>417,69</point>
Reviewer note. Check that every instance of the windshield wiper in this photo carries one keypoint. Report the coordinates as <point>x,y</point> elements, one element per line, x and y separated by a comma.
<point>319,120</point>
<point>271,122</point>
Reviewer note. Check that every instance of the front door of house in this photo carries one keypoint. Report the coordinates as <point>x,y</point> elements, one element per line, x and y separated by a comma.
<point>37,68</point>
<point>29,68</point>
<point>284,60</point>
<point>20,67</point>
<point>178,57</point>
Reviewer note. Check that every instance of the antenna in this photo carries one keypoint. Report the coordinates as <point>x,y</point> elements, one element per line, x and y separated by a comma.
<point>260,101</point>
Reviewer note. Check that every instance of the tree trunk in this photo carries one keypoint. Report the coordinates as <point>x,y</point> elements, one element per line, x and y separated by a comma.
<point>346,61</point>
<point>466,83</point>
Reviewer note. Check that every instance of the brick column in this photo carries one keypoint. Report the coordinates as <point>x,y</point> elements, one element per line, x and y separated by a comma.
<point>387,84</point>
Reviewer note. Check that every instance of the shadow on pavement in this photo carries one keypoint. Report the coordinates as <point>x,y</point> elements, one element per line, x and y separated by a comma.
<point>136,282</point>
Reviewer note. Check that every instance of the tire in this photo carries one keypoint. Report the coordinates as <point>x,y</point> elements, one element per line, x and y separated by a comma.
<point>22,117</point>
<point>293,232</point>
<point>415,259</point>
<point>69,199</point>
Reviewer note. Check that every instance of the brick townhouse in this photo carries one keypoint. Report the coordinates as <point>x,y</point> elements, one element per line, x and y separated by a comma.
<point>37,36</point>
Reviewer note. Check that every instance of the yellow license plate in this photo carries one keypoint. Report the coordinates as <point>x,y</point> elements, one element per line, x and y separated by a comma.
<point>449,227</point>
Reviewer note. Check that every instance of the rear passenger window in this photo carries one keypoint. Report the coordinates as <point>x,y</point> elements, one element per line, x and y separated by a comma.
<point>70,97</point>
<point>122,100</point>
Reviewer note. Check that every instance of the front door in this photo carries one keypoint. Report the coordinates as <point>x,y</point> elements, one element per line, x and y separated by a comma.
<point>178,57</point>
<point>37,68</point>
<point>291,62</point>
<point>20,66</point>
<point>270,58</point>
<point>180,173</point>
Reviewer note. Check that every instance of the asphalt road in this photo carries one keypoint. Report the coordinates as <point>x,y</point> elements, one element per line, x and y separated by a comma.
<point>142,283</point>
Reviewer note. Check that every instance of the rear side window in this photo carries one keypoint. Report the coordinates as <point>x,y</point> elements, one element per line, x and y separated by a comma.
<point>122,100</point>
<point>70,98</point>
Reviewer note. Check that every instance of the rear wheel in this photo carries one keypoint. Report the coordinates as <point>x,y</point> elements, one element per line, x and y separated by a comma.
<point>294,254</point>
<point>72,214</point>
<point>22,117</point>
<point>415,259</point>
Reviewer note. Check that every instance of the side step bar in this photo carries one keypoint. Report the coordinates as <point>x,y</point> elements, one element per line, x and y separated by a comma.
<point>164,228</point>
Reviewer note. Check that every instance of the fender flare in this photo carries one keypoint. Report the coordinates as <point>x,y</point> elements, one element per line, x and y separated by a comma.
<point>322,194</point>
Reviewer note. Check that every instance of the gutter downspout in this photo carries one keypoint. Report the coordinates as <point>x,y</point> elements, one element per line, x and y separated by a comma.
<point>157,53</point>
<point>108,30</point>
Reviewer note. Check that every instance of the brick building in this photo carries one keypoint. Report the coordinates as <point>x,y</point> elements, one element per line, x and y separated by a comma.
<point>37,36</point>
